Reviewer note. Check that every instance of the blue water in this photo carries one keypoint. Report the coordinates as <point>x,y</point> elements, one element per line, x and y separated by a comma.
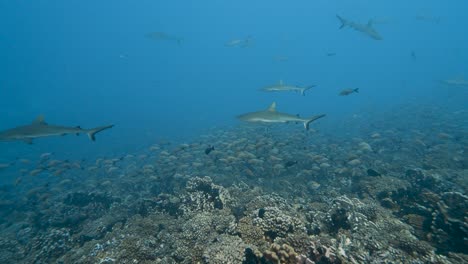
<point>89,63</point>
<point>92,63</point>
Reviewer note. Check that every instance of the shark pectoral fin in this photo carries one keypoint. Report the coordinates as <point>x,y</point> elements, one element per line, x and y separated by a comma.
<point>39,120</point>
<point>92,132</point>
<point>312,119</point>
<point>28,141</point>
<point>79,127</point>
<point>272,107</point>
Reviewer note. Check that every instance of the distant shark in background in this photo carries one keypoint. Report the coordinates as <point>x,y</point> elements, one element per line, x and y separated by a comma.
<point>281,87</point>
<point>164,36</point>
<point>367,29</point>
<point>270,115</point>
<point>428,18</point>
<point>246,42</point>
<point>458,81</point>
<point>39,128</point>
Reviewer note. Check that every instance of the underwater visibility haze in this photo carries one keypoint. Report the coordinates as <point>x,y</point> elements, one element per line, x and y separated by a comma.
<point>233,131</point>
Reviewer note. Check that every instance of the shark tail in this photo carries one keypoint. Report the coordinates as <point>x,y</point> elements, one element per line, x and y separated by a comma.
<point>356,90</point>
<point>312,119</point>
<point>92,132</point>
<point>303,90</point>
<point>342,20</point>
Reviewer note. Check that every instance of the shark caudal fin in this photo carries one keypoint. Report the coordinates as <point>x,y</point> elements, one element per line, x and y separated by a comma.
<point>342,21</point>
<point>356,90</point>
<point>312,119</point>
<point>303,90</point>
<point>92,132</point>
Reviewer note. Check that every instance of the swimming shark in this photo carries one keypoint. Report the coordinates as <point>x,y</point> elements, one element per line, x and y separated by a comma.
<point>366,29</point>
<point>164,36</point>
<point>281,87</point>
<point>246,42</point>
<point>39,128</point>
<point>270,115</point>
<point>428,18</point>
<point>458,81</point>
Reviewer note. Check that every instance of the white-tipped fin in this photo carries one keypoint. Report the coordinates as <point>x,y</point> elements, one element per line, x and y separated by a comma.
<point>40,120</point>
<point>272,107</point>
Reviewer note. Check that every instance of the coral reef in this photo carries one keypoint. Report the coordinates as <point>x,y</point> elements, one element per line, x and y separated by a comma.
<point>374,196</point>
<point>225,249</point>
<point>278,254</point>
<point>275,223</point>
<point>203,195</point>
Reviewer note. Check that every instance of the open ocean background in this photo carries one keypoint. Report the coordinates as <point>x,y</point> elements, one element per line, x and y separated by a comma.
<point>88,63</point>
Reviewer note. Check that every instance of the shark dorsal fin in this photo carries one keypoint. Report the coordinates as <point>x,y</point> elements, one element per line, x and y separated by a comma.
<point>272,107</point>
<point>40,120</point>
